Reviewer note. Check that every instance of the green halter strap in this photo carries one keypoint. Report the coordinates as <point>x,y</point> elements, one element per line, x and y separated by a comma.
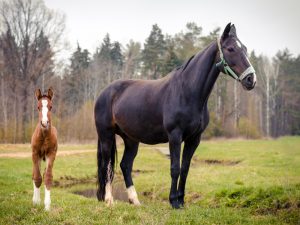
<point>227,68</point>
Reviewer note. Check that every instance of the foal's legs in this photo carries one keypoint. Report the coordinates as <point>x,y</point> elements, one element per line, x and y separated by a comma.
<point>48,178</point>
<point>131,148</point>
<point>188,151</point>
<point>36,177</point>
<point>175,145</point>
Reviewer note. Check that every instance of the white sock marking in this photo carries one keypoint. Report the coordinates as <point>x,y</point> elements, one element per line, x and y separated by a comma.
<point>36,199</point>
<point>108,194</point>
<point>132,196</point>
<point>47,199</point>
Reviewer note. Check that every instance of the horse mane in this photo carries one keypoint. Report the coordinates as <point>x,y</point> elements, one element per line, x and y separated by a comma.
<point>184,65</point>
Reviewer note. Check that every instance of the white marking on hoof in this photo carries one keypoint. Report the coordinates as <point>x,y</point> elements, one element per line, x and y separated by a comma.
<point>108,195</point>
<point>47,199</point>
<point>132,196</point>
<point>36,199</point>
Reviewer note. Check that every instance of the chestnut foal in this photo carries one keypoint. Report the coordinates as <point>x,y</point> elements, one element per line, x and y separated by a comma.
<point>44,146</point>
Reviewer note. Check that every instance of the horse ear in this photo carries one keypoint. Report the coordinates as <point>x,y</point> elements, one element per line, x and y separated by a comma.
<point>226,31</point>
<point>50,93</point>
<point>38,94</point>
<point>232,30</point>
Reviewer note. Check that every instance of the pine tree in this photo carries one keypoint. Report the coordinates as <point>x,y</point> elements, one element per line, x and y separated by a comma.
<point>153,53</point>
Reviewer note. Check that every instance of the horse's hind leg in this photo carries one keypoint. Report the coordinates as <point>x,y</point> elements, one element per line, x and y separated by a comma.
<point>48,178</point>
<point>106,160</point>
<point>36,177</point>
<point>131,148</point>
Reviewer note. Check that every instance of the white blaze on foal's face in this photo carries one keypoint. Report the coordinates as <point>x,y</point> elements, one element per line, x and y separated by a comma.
<point>44,113</point>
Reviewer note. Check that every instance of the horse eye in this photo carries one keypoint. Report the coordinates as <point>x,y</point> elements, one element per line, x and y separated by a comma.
<point>230,49</point>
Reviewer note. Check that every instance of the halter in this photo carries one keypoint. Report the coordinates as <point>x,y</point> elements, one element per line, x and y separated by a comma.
<point>227,68</point>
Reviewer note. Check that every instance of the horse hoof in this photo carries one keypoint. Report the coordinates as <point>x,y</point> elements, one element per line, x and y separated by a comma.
<point>181,203</point>
<point>36,201</point>
<point>109,202</point>
<point>175,205</point>
<point>135,202</point>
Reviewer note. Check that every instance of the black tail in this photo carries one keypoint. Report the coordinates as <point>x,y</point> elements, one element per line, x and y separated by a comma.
<point>106,165</point>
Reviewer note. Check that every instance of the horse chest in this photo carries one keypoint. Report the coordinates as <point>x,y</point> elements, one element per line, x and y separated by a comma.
<point>190,121</point>
<point>46,146</point>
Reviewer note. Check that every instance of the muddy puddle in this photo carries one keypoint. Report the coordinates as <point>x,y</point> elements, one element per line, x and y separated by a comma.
<point>76,185</point>
<point>118,191</point>
<point>196,161</point>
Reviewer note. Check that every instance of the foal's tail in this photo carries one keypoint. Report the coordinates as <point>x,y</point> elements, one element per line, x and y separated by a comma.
<point>106,162</point>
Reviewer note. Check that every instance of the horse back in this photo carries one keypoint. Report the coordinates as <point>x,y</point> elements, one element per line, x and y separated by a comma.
<point>135,107</point>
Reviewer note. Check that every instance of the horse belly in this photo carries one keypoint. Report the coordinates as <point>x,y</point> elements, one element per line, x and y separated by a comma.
<point>147,129</point>
<point>138,114</point>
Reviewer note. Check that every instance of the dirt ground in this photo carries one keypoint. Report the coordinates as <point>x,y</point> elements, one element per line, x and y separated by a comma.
<point>28,154</point>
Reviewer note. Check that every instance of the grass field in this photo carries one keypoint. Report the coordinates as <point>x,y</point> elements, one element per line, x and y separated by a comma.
<point>230,182</point>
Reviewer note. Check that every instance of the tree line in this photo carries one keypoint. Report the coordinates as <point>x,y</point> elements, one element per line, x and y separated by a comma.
<point>30,38</point>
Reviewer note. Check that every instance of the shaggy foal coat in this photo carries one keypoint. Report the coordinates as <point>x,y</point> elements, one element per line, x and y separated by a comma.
<point>44,146</point>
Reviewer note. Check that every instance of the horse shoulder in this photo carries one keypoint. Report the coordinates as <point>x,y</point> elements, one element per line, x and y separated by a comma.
<point>204,118</point>
<point>53,138</point>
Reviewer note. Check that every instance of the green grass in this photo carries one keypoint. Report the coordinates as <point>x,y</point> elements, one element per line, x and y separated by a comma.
<point>251,182</point>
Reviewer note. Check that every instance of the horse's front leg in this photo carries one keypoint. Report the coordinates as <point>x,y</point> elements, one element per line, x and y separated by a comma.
<point>36,177</point>
<point>175,146</point>
<point>188,151</point>
<point>48,178</point>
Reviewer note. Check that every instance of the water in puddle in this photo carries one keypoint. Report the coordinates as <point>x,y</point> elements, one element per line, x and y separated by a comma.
<point>119,192</point>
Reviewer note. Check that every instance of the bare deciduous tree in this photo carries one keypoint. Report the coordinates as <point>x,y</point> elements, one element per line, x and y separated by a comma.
<point>31,37</point>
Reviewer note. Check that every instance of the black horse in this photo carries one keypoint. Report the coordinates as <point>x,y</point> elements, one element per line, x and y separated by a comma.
<point>172,109</point>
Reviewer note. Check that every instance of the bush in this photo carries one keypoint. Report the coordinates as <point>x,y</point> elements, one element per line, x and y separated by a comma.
<point>214,128</point>
<point>247,129</point>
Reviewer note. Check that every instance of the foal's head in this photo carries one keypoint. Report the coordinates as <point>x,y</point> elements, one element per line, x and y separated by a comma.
<point>234,60</point>
<point>44,107</point>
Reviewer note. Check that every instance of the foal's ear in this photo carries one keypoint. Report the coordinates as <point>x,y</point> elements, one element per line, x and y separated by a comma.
<point>226,31</point>
<point>38,94</point>
<point>50,93</point>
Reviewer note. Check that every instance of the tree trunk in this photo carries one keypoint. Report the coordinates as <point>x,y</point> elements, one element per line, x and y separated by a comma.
<point>268,106</point>
<point>4,109</point>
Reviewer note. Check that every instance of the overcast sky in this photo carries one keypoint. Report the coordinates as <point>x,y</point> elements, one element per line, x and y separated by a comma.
<point>263,25</point>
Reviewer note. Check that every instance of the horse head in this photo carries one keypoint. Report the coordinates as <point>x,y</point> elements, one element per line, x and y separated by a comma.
<point>234,60</point>
<point>44,107</point>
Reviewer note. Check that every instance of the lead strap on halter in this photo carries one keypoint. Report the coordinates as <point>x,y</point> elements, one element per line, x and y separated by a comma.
<point>227,68</point>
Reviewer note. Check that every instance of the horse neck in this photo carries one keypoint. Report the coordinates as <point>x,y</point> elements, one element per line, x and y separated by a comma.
<point>201,74</point>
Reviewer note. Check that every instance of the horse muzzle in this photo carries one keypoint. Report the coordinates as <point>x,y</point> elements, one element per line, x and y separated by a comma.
<point>249,81</point>
<point>45,124</point>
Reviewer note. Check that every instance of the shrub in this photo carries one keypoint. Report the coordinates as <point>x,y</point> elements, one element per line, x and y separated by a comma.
<point>247,129</point>
<point>214,128</point>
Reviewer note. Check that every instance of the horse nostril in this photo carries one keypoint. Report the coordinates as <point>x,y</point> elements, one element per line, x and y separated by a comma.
<point>249,79</point>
